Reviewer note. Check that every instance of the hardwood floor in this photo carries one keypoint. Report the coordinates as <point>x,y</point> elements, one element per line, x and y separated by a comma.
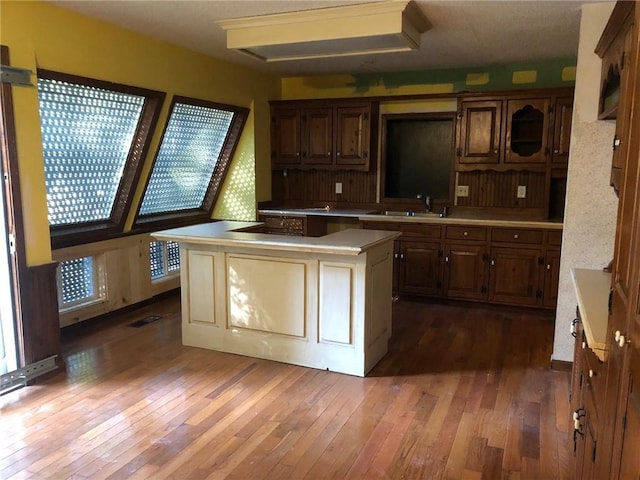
<point>464,393</point>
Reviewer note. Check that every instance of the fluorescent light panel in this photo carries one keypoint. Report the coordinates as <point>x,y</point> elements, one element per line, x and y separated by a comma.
<point>381,27</point>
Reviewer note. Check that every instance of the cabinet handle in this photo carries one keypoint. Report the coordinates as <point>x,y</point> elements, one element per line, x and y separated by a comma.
<point>337,154</point>
<point>495,151</point>
<point>576,425</point>
<point>493,262</point>
<point>465,234</point>
<point>592,374</point>
<point>622,341</point>
<point>573,330</point>
<point>297,154</point>
<point>395,255</point>
<point>617,335</point>
<point>616,142</point>
<point>556,151</point>
<point>548,266</point>
<point>328,154</point>
<point>446,259</point>
<point>584,345</point>
<point>402,256</point>
<point>515,236</point>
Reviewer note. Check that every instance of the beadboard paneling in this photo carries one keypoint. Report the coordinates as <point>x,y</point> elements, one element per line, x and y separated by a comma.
<point>320,186</point>
<point>498,189</point>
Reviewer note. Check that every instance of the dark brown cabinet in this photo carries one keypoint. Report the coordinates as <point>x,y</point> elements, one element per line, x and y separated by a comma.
<point>514,277</point>
<point>619,57</point>
<point>286,137</point>
<point>322,134</point>
<point>520,131</point>
<point>419,267</point>
<point>562,130</point>
<point>470,262</point>
<point>616,435</point>
<point>480,126</point>
<point>527,130</point>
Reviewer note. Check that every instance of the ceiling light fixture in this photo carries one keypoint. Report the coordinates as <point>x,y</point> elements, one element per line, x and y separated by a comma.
<point>381,27</point>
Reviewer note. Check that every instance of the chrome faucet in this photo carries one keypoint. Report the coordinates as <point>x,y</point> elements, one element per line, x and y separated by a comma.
<point>426,199</point>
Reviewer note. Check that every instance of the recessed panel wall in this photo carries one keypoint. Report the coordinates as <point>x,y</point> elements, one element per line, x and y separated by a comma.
<point>336,291</point>
<point>267,294</point>
<point>202,303</point>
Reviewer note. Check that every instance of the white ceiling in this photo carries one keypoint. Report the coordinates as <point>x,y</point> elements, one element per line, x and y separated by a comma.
<point>464,33</point>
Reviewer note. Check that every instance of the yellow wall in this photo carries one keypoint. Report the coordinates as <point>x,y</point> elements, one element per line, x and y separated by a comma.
<point>40,35</point>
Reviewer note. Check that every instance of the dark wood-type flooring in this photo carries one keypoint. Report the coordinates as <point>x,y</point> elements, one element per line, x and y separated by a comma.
<point>464,393</point>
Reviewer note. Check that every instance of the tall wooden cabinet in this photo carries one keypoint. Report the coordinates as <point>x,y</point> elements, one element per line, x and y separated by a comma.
<point>617,456</point>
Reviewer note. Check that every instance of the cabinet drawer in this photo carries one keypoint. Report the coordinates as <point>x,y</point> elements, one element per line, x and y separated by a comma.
<point>555,238</point>
<point>420,230</point>
<point>467,233</point>
<point>594,375</point>
<point>516,235</point>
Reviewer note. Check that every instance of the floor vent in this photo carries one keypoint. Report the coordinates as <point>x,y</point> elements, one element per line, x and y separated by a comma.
<point>144,321</point>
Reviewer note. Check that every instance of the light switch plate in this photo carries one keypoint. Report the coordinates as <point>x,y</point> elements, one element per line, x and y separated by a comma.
<point>338,187</point>
<point>463,191</point>
<point>522,191</point>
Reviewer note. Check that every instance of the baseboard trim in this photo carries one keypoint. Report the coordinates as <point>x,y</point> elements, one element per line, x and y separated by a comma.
<point>561,365</point>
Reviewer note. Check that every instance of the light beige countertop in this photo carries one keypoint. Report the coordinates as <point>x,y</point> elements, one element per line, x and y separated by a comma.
<point>346,242</point>
<point>592,288</point>
<point>429,218</point>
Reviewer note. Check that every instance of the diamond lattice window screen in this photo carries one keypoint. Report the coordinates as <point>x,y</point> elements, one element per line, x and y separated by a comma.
<point>165,258</point>
<point>87,134</point>
<point>77,281</point>
<point>190,149</point>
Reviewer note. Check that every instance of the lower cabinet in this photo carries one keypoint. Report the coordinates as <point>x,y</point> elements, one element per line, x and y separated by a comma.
<point>469,262</point>
<point>515,276</point>
<point>419,267</point>
<point>465,271</point>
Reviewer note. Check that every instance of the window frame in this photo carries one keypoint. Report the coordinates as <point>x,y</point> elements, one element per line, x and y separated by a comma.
<point>179,218</point>
<point>87,232</point>
<point>98,278</point>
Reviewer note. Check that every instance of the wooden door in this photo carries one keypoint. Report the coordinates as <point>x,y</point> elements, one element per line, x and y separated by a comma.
<point>317,142</point>
<point>562,130</point>
<point>419,268</point>
<point>352,135</point>
<point>464,272</point>
<point>551,278</point>
<point>285,137</point>
<point>514,276</point>
<point>527,130</point>
<point>479,132</point>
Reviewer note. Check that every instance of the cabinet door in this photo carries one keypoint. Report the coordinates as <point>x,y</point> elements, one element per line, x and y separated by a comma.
<point>551,277</point>
<point>419,268</point>
<point>352,135</point>
<point>464,271</point>
<point>527,131</point>
<point>285,137</point>
<point>562,130</point>
<point>514,276</point>
<point>630,464</point>
<point>479,127</point>
<point>317,144</point>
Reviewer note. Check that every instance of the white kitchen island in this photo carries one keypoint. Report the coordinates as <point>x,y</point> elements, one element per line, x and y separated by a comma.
<point>321,302</point>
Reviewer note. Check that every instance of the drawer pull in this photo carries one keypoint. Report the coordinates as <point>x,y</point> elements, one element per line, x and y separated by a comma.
<point>466,234</point>
<point>592,374</point>
<point>515,236</point>
<point>446,259</point>
<point>584,345</point>
<point>574,330</point>
<point>622,341</point>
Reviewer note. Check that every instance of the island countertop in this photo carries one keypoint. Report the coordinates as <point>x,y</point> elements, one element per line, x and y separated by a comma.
<point>225,233</point>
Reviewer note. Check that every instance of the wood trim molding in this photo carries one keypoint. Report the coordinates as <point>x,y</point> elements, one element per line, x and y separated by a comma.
<point>13,199</point>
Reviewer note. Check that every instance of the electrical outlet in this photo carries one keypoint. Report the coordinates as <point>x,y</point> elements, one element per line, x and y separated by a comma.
<point>463,191</point>
<point>522,191</point>
<point>338,187</point>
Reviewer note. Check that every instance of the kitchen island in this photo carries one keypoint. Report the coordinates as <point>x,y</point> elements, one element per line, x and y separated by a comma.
<point>322,302</point>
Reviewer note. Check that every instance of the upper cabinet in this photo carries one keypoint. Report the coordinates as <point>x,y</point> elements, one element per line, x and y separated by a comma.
<point>616,48</point>
<point>323,134</point>
<point>519,132</point>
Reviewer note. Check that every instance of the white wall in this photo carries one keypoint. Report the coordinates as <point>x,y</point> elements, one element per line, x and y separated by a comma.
<point>591,204</point>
